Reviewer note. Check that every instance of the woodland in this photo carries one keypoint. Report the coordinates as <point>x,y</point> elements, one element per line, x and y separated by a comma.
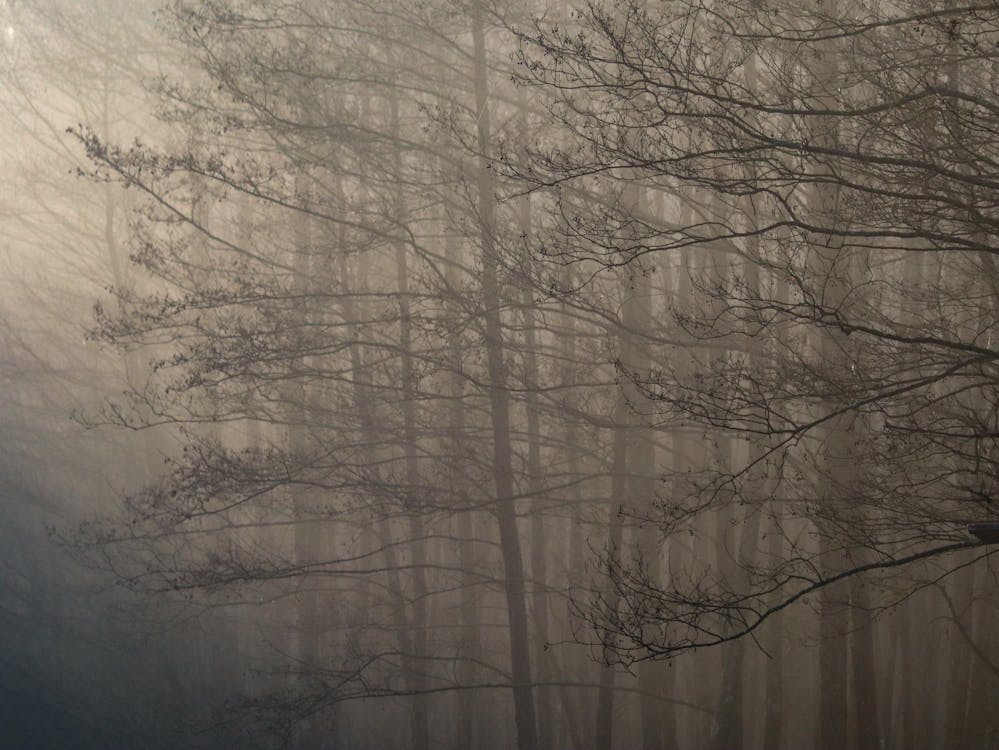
<point>487,374</point>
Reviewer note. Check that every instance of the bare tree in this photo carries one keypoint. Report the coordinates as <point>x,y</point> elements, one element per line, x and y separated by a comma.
<point>849,149</point>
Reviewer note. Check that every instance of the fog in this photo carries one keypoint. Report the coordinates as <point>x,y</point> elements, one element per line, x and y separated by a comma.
<point>494,374</point>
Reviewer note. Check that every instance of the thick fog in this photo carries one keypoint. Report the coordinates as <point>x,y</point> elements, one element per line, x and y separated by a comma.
<point>494,374</point>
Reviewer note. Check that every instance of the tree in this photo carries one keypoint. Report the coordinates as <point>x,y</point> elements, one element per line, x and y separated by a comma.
<point>84,663</point>
<point>711,293</point>
<point>309,337</point>
<point>851,151</point>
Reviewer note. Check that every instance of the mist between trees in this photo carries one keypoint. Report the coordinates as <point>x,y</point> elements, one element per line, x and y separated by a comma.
<point>462,374</point>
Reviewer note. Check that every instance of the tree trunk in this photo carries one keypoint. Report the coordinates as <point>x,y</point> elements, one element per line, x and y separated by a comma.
<point>604,730</point>
<point>862,668</point>
<point>774,680</point>
<point>383,530</point>
<point>419,705</point>
<point>835,485</point>
<point>499,402</point>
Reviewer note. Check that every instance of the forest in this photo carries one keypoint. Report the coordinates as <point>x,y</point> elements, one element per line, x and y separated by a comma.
<point>486,374</point>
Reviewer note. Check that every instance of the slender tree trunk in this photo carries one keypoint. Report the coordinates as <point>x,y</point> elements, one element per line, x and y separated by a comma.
<point>956,710</point>
<point>632,452</point>
<point>307,534</point>
<point>835,485</point>
<point>656,717</point>
<point>905,734</point>
<point>862,668</point>
<point>604,731</point>
<point>499,402</point>
<point>575,664</point>
<point>727,724</point>
<point>539,566</point>
<point>773,719</point>
<point>832,724</point>
<point>419,706</point>
<point>982,727</point>
<point>469,638</point>
<point>383,530</point>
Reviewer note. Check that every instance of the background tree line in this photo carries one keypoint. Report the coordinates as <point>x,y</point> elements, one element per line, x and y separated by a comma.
<point>490,375</point>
